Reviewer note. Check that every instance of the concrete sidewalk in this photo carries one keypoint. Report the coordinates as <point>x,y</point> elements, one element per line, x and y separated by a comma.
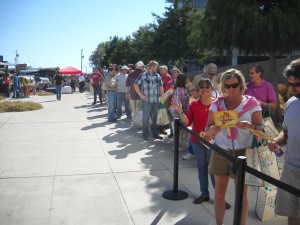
<point>65,164</point>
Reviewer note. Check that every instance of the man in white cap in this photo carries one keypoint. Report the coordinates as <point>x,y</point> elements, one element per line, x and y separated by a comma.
<point>135,100</point>
<point>121,92</point>
<point>211,72</point>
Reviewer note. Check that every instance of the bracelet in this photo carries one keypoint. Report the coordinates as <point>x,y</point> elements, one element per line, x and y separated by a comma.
<point>182,113</point>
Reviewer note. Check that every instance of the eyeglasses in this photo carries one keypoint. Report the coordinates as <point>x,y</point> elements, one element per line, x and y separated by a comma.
<point>297,84</point>
<point>228,86</point>
<point>207,87</point>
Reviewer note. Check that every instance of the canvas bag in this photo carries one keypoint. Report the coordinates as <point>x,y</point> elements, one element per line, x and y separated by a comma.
<point>265,204</point>
<point>263,160</point>
<point>162,117</point>
<point>270,128</point>
<point>138,119</point>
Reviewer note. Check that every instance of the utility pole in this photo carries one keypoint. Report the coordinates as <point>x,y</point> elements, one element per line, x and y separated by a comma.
<point>81,57</point>
<point>17,58</point>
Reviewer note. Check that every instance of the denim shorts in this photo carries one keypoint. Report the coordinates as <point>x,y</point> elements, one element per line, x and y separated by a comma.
<point>220,166</point>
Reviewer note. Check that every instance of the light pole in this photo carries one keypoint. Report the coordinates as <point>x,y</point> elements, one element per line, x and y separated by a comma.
<point>82,56</point>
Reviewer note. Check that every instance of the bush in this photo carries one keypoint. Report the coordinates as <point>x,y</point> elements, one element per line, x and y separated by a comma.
<point>2,97</point>
<point>19,106</point>
<point>44,93</point>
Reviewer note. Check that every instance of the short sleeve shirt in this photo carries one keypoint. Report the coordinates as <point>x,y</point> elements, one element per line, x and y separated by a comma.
<point>291,123</point>
<point>263,92</point>
<point>150,85</point>
<point>244,138</point>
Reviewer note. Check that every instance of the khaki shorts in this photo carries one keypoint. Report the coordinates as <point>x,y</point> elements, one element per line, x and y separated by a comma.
<point>288,204</point>
<point>221,166</point>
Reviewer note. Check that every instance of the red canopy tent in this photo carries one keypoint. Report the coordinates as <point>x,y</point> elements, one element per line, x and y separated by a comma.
<point>69,71</point>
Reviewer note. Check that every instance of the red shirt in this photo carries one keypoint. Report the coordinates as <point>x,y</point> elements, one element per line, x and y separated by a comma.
<point>166,79</point>
<point>169,85</point>
<point>197,115</point>
<point>96,77</point>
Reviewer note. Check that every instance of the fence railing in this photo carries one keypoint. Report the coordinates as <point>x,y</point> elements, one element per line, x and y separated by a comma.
<point>242,167</point>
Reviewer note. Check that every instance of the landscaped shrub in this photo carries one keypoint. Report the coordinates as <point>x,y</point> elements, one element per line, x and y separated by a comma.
<point>19,106</point>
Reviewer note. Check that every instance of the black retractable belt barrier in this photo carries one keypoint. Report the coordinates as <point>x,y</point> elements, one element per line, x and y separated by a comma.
<point>175,194</point>
<point>241,162</point>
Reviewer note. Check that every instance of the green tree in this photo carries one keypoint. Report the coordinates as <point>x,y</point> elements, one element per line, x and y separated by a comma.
<point>256,27</point>
<point>196,50</point>
<point>97,57</point>
<point>170,39</point>
<point>143,43</point>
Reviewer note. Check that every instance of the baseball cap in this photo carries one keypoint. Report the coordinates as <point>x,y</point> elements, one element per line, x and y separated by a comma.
<point>140,64</point>
<point>176,69</point>
<point>212,69</point>
<point>124,68</point>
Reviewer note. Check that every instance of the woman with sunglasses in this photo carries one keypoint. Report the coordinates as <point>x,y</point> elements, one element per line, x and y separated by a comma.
<point>234,140</point>
<point>197,115</point>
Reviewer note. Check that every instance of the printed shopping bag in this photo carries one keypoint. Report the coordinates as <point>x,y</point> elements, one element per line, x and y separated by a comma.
<point>265,204</point>
<point>270,128</point>
<point>263,160</point>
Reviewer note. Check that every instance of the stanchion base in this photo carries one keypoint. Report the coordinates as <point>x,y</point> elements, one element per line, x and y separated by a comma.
<point>172,195</point>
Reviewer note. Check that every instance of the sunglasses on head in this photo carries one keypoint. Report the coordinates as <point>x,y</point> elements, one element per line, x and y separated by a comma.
<point>207,87</point>
<point>228,86</point>
<point>297,84</point>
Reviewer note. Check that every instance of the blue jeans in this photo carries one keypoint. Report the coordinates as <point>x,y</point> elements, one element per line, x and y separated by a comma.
<point>150,109</point>
<point>120,100</point>
<point>203,157</point>
<point>190,148</point>
<point>15,91</point>
<point>97,90</point>
<point>111,101</point>
<point>58,91</point>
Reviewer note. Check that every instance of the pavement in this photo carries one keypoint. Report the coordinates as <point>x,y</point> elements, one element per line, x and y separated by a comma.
<point>66,165</point>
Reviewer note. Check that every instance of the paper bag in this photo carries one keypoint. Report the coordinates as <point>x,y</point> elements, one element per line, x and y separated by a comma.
<point>268,162</point>
<point>263,160</point>
<point>265,204</point>
<point>138,120</point>
<point>270,128</point>
<point>254,162</point>
<point>162,117</point>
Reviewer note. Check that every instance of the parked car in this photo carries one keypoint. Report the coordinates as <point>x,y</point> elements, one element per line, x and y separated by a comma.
<point>42,83</point>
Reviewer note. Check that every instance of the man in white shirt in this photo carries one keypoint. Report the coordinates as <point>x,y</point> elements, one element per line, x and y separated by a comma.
<point>121,92</point>
<point>81,83</point>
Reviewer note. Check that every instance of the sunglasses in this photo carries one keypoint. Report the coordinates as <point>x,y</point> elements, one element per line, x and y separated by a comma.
<point>297,84</point>
<point>207,87</point>
<point>228,86</point>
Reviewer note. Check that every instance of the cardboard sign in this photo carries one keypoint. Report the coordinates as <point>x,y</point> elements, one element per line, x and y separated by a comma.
<point>260,134</point>
<point>226,119</point>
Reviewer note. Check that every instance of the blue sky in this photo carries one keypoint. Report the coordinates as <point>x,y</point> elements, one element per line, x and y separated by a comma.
<point>50,33</point>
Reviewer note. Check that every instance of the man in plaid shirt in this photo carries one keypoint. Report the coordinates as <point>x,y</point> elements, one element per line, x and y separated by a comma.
<point>149,87</point>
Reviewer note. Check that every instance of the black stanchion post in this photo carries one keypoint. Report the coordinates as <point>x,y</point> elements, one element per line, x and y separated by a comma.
<point>176,154</point>
<point>240,182</point>
<point>175,194</point>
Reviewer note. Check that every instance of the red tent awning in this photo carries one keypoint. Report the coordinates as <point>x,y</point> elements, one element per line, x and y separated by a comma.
<point>70,71</point>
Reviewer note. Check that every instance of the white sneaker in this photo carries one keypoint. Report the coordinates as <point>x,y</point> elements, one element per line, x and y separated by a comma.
<point>188,156</point>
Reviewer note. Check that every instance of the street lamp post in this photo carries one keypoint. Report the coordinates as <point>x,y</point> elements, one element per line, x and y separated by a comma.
<point>81,57</point>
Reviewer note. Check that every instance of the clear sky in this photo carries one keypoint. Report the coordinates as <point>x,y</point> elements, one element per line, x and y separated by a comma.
<point>51,33</point>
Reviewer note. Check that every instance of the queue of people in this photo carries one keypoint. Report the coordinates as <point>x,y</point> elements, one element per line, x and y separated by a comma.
<point>211,93</point>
